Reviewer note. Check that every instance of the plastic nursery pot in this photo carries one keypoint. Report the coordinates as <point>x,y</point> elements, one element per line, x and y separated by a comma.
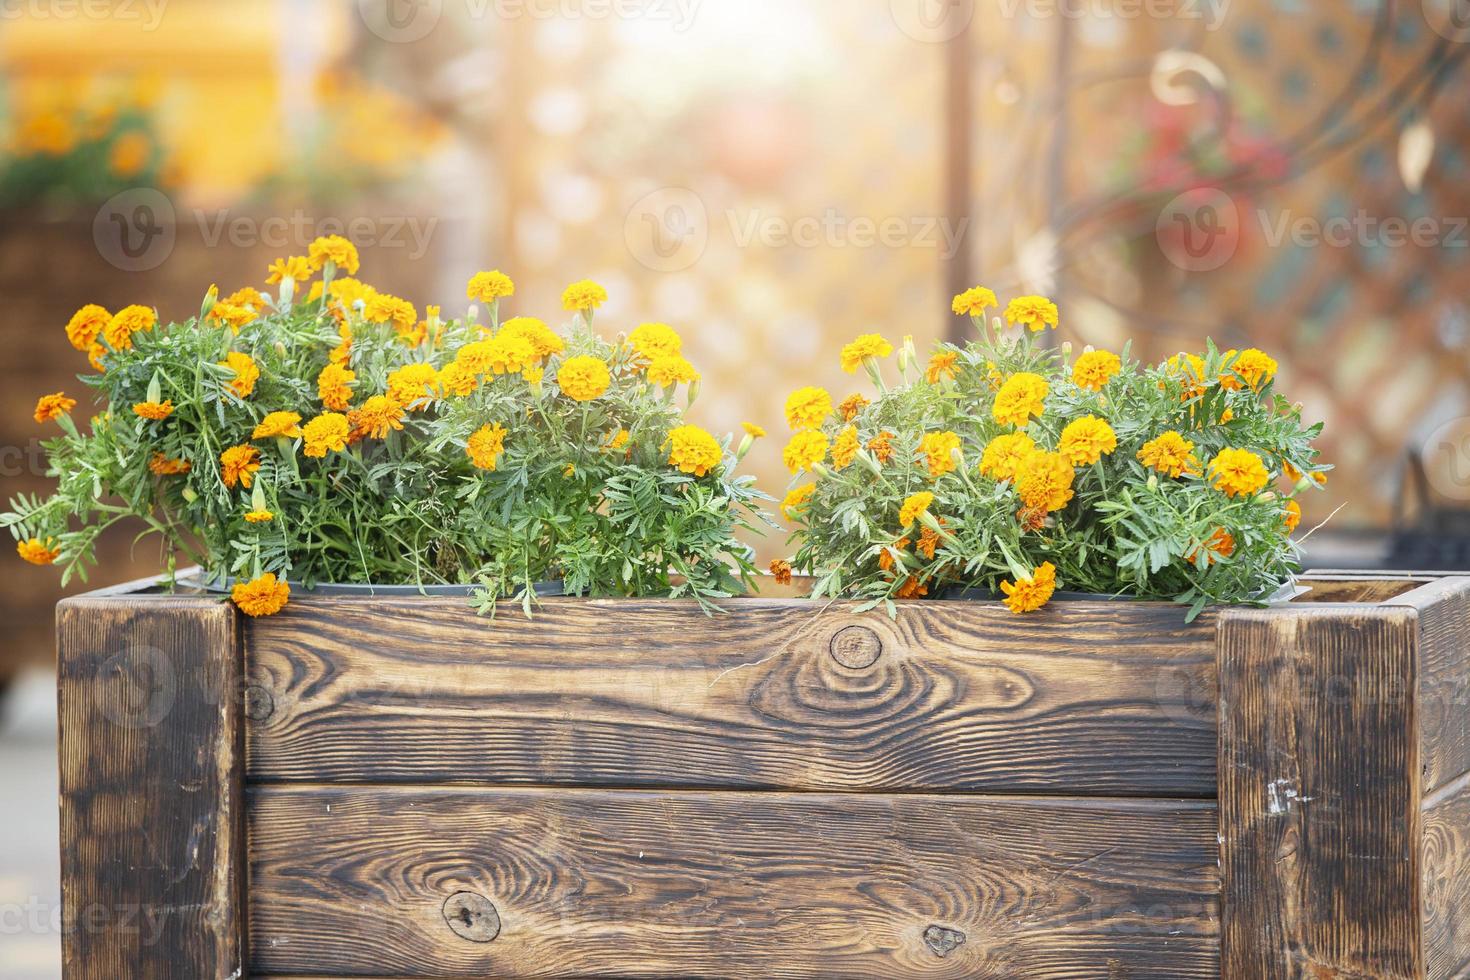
<point>200,581</point>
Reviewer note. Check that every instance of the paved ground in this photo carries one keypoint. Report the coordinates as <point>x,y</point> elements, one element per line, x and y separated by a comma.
<point>30,891</point>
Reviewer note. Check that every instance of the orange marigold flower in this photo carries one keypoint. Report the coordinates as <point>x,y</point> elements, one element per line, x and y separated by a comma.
<point>805,450</point>
<point>1004,455</point>
<point>455,379</point>
<point>125,323</point>
<point>50,407</point>
<point>886,561</point>
<point>851,407</point>
<point>487,287</point>
<point>870,346</point>
<point>1044,481</point>
<point>938,449</point>
<point>781,569</point>
<point>808,408</point>
<point>154,411</point>
<point>246,373</point>
<point>38,552</point>
<point>86,326</point>
<point>911,588</point>
<point>378,416</point>
<point>334,387</point>
<point>264,596</point>
<point>232,316</point>
<point>486,447</point>
<point>1238,472</point>
<point>693,450</point>
<point>1170,454</point>
<point>297,268</point>
<point>796,499</point>
<point>238,465</point>
<point>845,448</point>
<point>1034,312</point>
<point>1220,545</point>
<point>383,308</point>
<point>1020,398</point>
<point>881,446</point>
<point>278,425</point>
<point>1255,367</point>
<point>1095,369</point>
<point>412,385</point>
<point>1087,440</point>
<point>1030,594</point>
<point>326,433</point>
<point>1293,518</point>
<point>336,250</point>
<point>1190,370</point>
<point>161,465</point>
<point>928,542</point>
<point>942,366</point>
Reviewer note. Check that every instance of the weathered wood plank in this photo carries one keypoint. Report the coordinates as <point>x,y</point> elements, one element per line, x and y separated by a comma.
<point>152,829</point>
<point>1319,793</point>
<point>1447,881</point>
<point>1092,698</point>
<point>1444,677</point>
<point>593,883</point>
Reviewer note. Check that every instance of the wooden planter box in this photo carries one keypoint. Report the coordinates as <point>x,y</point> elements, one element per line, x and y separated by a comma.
<point>365,787</point>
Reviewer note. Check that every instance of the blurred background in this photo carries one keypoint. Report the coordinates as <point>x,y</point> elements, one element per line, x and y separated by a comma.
<point>773,177</point>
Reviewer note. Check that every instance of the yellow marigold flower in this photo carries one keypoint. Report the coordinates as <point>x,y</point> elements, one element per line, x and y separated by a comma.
<point>1170,454</point>
<point>845,448</point>
<point>619,440</point>
<point>326,433</point>
<point>412,385</point>
<point>781,571</point>
<point>974,302</point>
<point>852,406</point>
<point>456,379</point>
<point>1004,455</point>
<point>1238,472</point>
<point>1220,545</point>
<point>1095,369</point>
<point>881,446</point>
<point>334,387</point>
<point>247,297</point>
<point>1034,312</point>
<point>1030,594</point>
<point>336,250</point>
<point>297,268</point>
<point>1255,367</point>
<point>1320,479</point>
<point>805,450</point>
<point>161,465</point>
<point>1293,518</point>
<point>655,340</point>
<point>534,374</point>
<point>753,430</point>
<point>376,418</point>
<point>584,379</point>
<point>262,597</point>
<point>238,465</point>
<point>509,354</point>
<point>1044,481</point>
<point>1087,440</point>
<point>693,450</point>
<point>125,322</point>
<point>259,517</point>
<point>1019,399</point>
<point>543,340</point>
<point>50,407</point>
<point>476,357</point>
<point>232,316</point>
<point>938,450</point>
<point>487,287</point>
<point>486,447</point>
<point>914,508</point>
<point>868,346</point>
<point>1291,472</point>
<point>154,411</point>
<point>808,408</point>
<point>95,354</point>
<point>383,308</point>
<point>941,366</point>
<point>1190,370</point>
<point>583,296</point>
<point>671,369</point>
<point>797,499</point>
<point>38,552</point>
<point>86,326</point>
<point>246,372</point>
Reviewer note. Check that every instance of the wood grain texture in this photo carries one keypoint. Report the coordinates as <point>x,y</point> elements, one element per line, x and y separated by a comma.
<point>1444,677</point>
<point>1447,881</point>
<point>1319,793</point>
<point>152,827</point>
<point>1085,698</point>
<point>768,886</point>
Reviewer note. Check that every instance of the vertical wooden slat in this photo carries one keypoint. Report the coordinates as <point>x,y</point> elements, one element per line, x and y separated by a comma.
<point>1319,793</point>
<point>152,831</point>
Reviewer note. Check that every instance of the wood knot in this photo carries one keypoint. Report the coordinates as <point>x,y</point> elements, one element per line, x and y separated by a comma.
<point>259,703</point>
<point>856,647</point>
<point>943,941</point>
<point>472,917</point>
